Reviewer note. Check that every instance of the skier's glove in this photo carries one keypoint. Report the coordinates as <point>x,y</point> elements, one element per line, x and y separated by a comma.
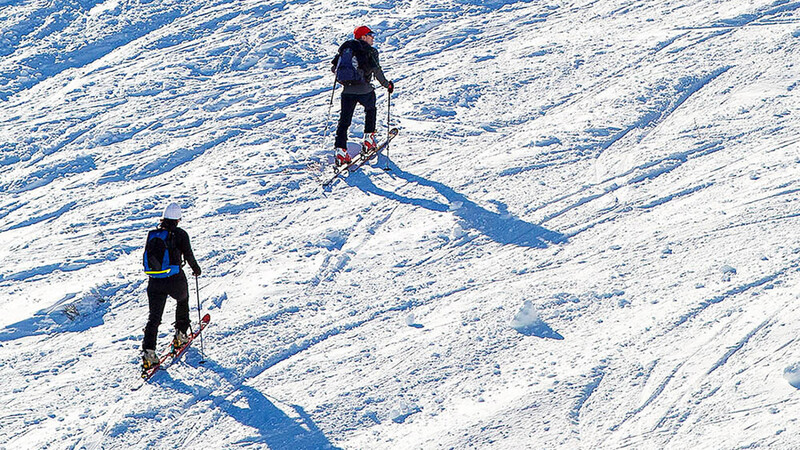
<point>196,272</point>
<point>390,87</point>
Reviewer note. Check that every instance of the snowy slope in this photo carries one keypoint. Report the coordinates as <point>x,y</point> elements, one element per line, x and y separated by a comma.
<point>586,239</point>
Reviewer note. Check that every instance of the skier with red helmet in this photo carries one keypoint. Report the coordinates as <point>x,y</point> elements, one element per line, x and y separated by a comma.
<point>355,64</point>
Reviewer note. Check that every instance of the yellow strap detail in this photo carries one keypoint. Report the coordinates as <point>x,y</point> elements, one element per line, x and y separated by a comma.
<point>156,273</point>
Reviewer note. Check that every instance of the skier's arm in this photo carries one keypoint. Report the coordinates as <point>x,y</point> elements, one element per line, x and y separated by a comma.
<point>378,72</point>
<point>186,249</point>
<point>334,63</point>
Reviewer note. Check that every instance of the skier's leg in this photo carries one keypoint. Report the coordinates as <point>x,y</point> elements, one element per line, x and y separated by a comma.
<point>156,299</point>
<point>180,291</point>
<point>371,112</point>
<point>345,119</point>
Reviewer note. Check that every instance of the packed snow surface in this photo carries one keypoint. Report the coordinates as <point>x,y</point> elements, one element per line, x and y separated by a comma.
<point>586,238</point>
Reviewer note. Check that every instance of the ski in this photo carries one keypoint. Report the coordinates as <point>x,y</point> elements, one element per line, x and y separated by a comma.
<point>361,159</point>
<point>179,352</point>
<point>175,353</point>
<point>368,157</point>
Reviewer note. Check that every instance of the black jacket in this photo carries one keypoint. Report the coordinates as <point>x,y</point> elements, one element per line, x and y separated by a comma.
<point>368,62</point>
<point>180,249</point>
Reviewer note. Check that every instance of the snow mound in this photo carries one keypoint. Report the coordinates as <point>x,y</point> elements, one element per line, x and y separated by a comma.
<point>792,375</point>
<point>402,411</point>
<point>528,322</point>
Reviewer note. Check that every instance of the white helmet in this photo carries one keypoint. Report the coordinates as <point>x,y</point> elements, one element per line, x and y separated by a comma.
<point>172,211</point>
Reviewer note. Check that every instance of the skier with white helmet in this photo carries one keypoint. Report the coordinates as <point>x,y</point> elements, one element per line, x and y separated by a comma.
<point>166,251</point>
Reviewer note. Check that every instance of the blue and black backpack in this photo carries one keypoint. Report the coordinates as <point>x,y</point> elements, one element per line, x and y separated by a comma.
<point>348,72</point>
<point>156,255</point>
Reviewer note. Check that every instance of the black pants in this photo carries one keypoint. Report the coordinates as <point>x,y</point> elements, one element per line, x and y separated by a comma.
<point>158,289</point>
<point>349,102</point>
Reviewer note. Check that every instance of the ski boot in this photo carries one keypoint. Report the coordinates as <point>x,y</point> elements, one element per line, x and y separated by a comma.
<point>179,340</point>
<point>342,158</point>
<point>149,359</point>
<point>370,144</point>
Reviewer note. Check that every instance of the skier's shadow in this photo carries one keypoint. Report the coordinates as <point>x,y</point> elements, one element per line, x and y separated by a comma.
<point>501,228</point>
<point>248,406</point>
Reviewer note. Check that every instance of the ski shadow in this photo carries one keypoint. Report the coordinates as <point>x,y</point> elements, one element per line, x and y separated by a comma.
<point>275,428</point>
<point>501,228</point>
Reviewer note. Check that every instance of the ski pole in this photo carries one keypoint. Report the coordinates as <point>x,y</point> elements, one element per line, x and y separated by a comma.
<point>388,126</point>
<point>199,319</point>
<point>330,107</point>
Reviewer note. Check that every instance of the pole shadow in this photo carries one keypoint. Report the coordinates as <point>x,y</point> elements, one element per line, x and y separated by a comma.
<point>501,228</point>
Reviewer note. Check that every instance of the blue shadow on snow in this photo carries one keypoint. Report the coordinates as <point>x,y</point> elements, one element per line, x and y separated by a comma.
<point>540,330</point>
<point>503,229</point>
<point>50,322</point>
<point>275,428</point>
<point>73,313</point>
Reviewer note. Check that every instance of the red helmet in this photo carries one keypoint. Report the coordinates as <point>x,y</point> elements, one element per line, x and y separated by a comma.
<point>362,31</point>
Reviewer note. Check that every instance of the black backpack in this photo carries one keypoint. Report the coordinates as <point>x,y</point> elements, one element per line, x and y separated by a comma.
<point>157,263</point>
<point>348,70</point>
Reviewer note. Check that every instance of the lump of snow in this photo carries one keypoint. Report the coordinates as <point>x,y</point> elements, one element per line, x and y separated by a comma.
<point>727,272</point>
<point>458,232</point>
<point>526,316</point>
<point>402,411</point>
<point>331,240</point>
<point>412,321</point>
<point>528,322</point>
<point>792,375</point>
